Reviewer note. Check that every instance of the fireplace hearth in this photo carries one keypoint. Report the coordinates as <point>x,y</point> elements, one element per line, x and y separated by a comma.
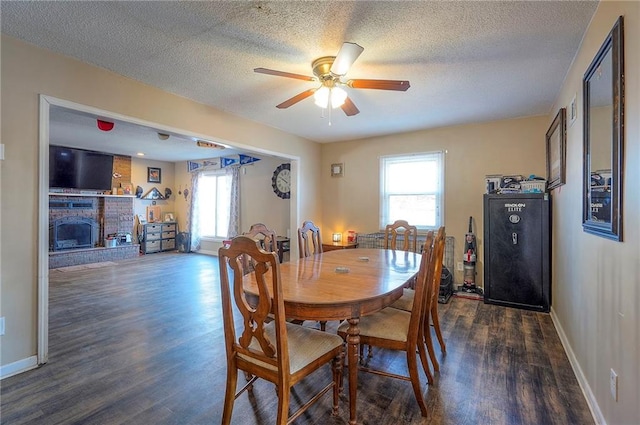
<point>72,233</point>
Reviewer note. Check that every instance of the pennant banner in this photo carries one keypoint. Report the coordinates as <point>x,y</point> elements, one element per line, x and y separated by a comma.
<point>246,159</point>
<point>197,165</point>
<point>221,162</point>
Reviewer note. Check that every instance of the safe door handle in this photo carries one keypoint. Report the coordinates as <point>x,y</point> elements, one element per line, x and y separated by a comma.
<point>514,238</point>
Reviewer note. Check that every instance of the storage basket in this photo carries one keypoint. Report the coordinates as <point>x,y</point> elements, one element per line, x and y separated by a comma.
<point>533,186</point>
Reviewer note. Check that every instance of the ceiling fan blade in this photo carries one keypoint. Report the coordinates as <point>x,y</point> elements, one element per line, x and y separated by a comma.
<point>349,107</point>
<point>295,99</point>
<point>347,55</point>
<point>399,85</point>
<point>283,74</point>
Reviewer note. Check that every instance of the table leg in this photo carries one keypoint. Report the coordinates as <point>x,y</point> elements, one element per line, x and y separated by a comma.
<point>353,341</point>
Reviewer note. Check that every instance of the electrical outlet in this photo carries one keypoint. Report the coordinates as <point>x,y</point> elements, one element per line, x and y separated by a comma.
<point>613,382</point>
<point>1,326</point>
<point>459,266</point>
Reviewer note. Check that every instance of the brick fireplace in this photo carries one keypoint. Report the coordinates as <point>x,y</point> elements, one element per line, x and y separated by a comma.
<point>72,232</point>
<point>79,224</point>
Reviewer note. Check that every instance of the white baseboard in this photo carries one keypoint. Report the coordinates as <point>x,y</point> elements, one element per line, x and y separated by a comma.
<point>577,370</point>
<point>18,367</point>
<point>207,252</point>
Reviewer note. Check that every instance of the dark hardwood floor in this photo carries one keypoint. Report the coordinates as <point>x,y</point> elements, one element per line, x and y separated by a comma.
<point>141,342</point>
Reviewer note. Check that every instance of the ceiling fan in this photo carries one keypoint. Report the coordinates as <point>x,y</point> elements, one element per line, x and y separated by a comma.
<point>329,71</point>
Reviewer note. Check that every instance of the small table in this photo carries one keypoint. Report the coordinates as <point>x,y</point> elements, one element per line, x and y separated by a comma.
<point>283,246</point>
<point>338,245</point>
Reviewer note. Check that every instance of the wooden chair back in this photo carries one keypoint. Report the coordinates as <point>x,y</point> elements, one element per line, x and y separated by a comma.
<point>439,244</point>
<point>402,228</point>
<point>239,336</point>
<point>309,231</point>
<point>263,236</point>
<point>421,300</point>
<point>261,347</point>
<point>432,316</point>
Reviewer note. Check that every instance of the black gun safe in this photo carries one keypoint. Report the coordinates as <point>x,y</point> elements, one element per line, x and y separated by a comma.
<point>517,271</point>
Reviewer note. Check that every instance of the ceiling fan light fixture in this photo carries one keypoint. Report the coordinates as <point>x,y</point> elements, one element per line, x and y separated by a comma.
<point>338,97</point>
<point>321,97</point>
<point>335,94</point>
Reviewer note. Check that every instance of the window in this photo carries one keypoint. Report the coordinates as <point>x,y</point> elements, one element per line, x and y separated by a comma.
<point>411,189</point>
<point>214,197</point>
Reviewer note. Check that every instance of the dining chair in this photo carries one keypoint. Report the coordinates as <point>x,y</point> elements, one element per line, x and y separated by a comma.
<point>276,351</point>
<point>309,231</point>
<point>409,239</point>
<point>266,236</point>
<point>396,329</point>
<point>402,228</point>
<point>406,301</point>
<point>306,232</point>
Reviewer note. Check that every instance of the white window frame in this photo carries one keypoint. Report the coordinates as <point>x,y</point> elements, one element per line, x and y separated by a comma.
<point>215,238</point>
<point>385,161</point>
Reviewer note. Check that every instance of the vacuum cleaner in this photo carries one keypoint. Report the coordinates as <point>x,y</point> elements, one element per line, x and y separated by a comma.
<point>469,263</point>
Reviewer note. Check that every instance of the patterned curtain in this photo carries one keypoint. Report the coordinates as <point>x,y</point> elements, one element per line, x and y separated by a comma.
<point>234,203</point>
<point>193,221</point>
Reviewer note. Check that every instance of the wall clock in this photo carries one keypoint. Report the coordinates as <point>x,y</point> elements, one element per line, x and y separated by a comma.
<point>281,181</point>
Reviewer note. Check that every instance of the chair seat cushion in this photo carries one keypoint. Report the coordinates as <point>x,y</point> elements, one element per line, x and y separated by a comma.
<point>388,323</point>
<point>405,302</point>
<point>305,345</point>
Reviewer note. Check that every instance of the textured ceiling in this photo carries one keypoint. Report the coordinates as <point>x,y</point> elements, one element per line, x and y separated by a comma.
<point>467,61</point>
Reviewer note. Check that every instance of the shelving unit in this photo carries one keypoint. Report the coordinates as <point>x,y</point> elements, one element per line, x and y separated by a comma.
<point>159,237</point>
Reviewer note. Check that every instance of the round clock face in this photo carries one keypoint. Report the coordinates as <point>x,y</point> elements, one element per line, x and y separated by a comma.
<point>281,181</point>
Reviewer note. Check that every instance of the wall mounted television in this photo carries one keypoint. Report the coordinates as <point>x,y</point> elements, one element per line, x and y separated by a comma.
<point>71,168</point>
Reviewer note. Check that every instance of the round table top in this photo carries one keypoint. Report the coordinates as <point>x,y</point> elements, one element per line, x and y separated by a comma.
<point>344,283</point>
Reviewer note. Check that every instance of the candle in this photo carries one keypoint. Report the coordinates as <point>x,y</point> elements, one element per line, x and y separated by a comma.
<point>337,237</point>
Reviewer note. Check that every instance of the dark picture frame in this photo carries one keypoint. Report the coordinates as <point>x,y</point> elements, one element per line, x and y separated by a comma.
<point>556,139</point>
<point>603,138</point>
<point>154,175</point>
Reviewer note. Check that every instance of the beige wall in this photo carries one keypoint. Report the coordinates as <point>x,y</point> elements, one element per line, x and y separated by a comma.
<point>28,72</point>
<point>596,282</point>
<point>473,151</point>
<point>167,179</point>
<point>258,203</point>
<point>595,285</point>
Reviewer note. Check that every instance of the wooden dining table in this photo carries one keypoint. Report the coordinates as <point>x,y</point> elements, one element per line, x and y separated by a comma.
<point>344,285</point>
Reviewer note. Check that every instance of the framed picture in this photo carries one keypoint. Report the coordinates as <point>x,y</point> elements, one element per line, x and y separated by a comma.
<point>337,170</point>
<point>153,213</point>
<point>168,216</point>
<point>127,188</point>
<point>556,150</point>
<point>154,175</point>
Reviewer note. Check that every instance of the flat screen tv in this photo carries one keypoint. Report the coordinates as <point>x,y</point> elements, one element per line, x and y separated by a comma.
<point>71,168</point>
